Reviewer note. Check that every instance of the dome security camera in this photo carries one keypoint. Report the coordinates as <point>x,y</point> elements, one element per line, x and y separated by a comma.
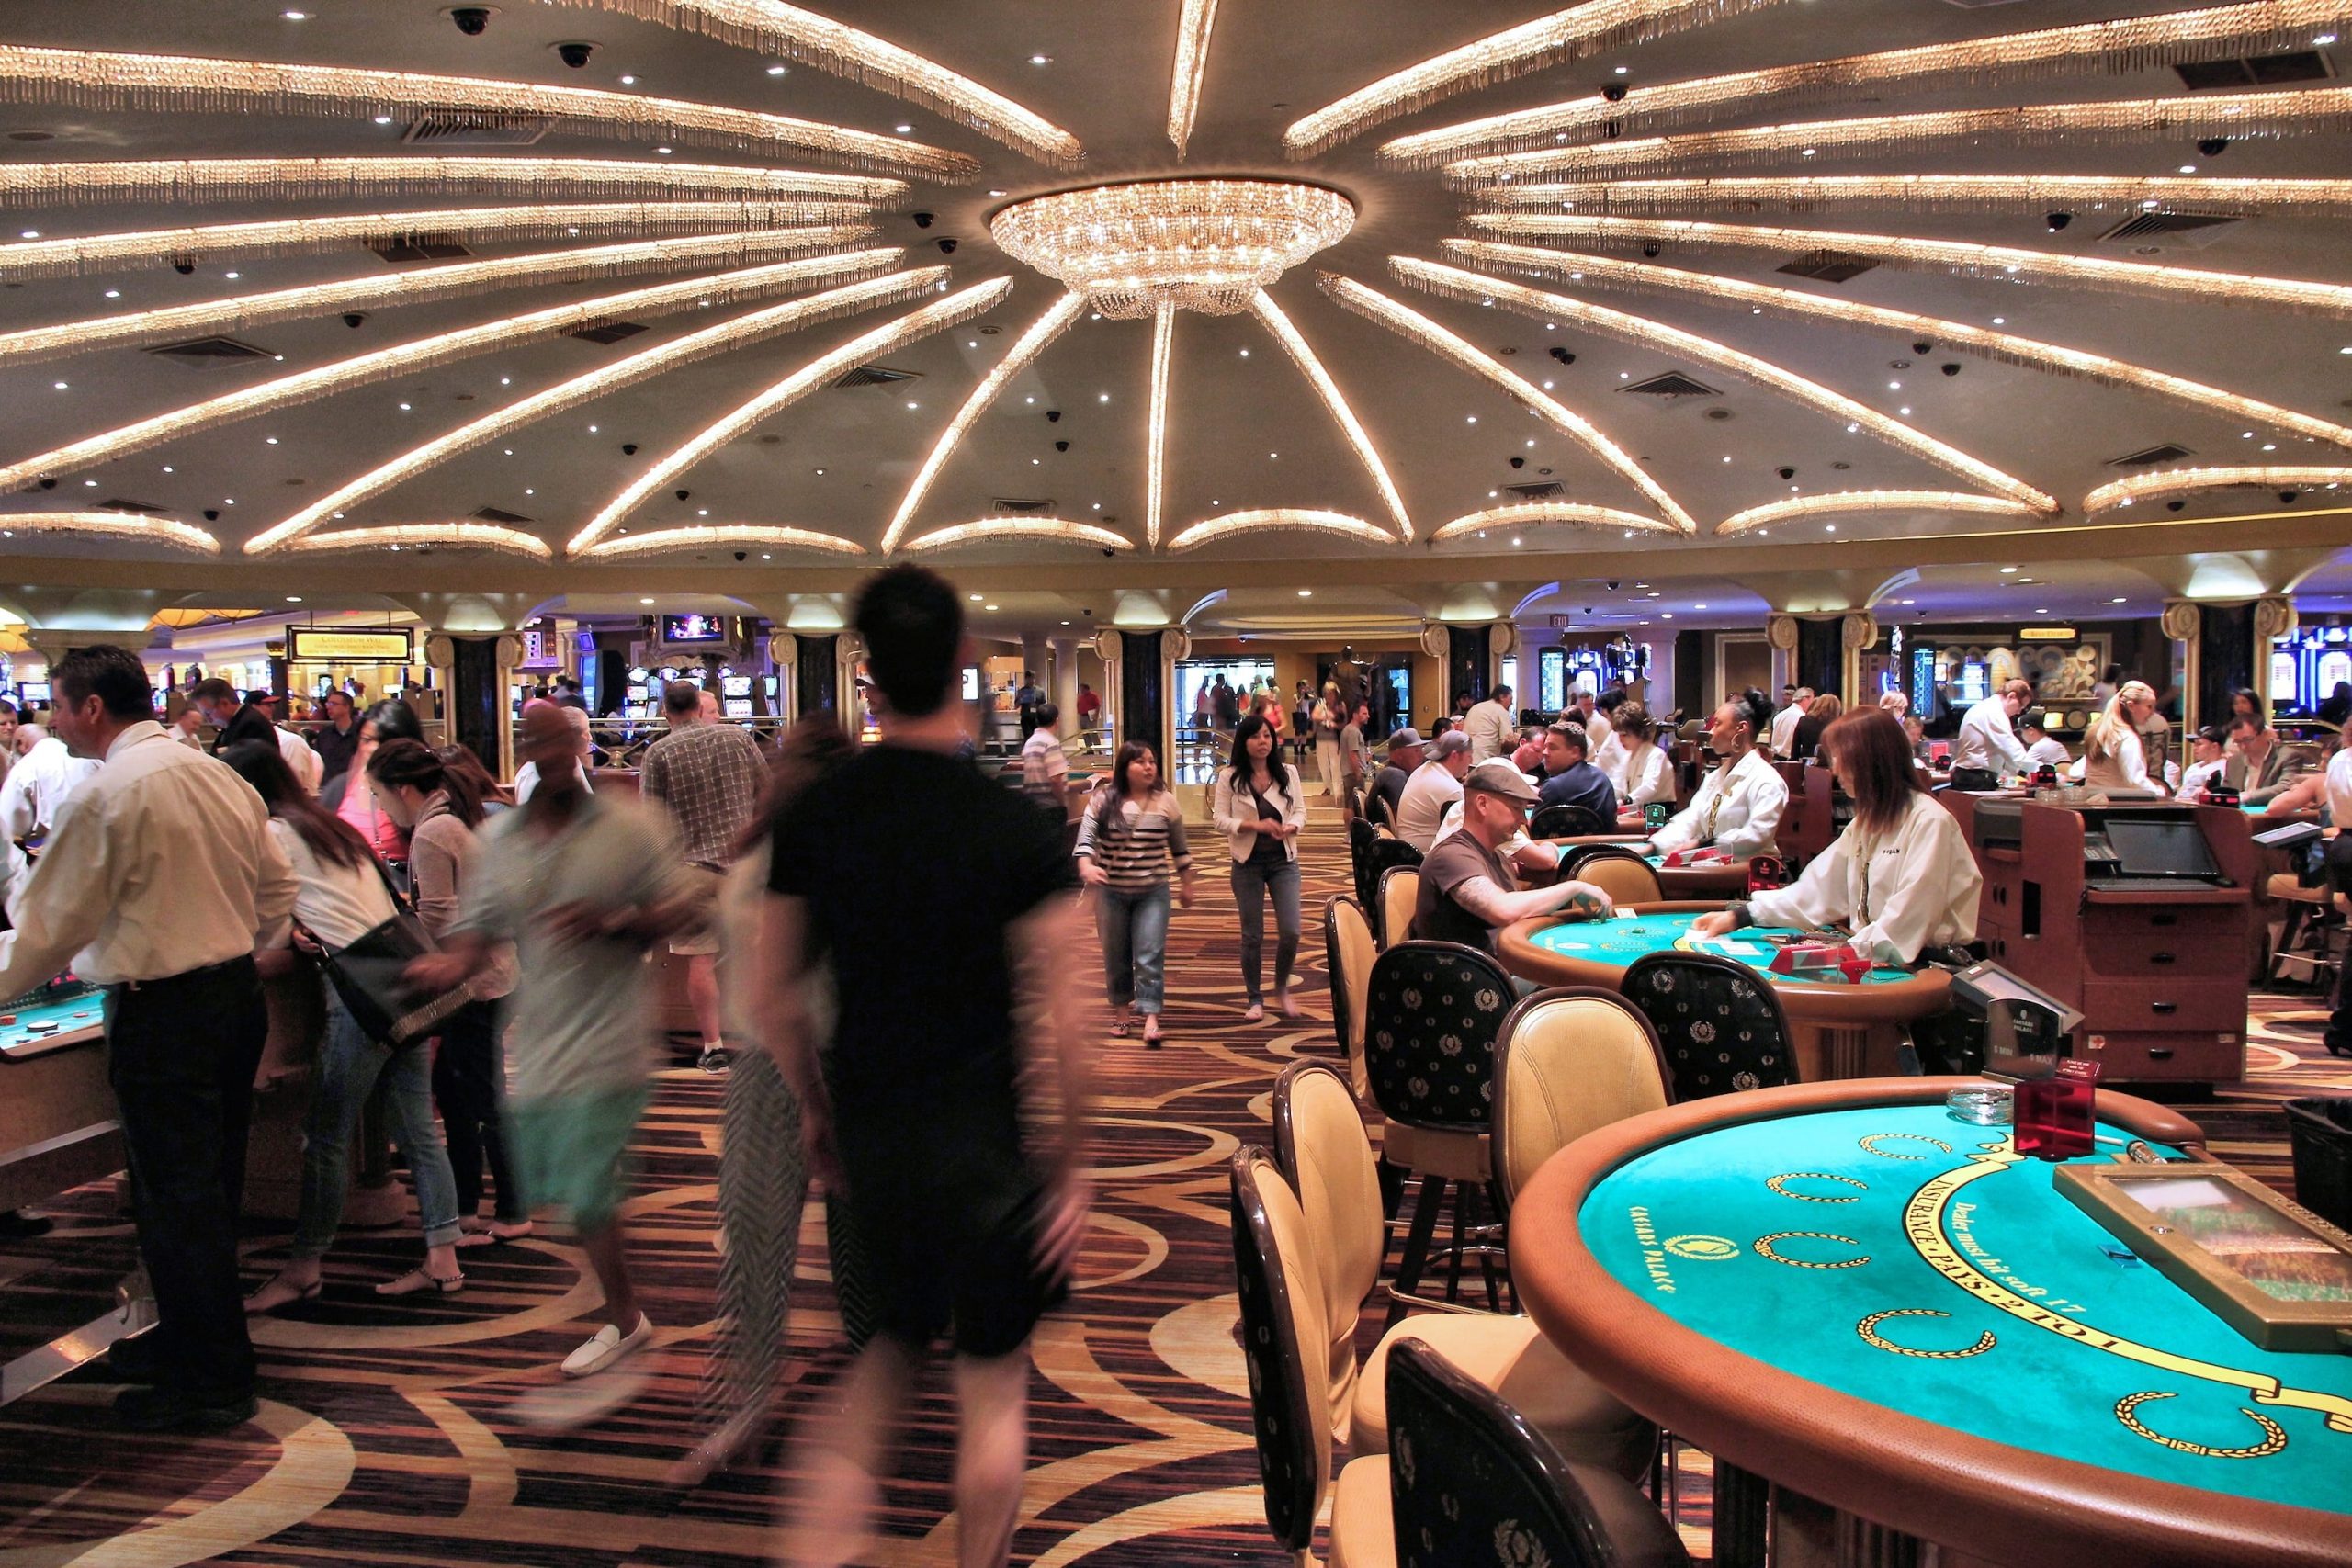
<point>1949,369</point>
<point>1107,554</point>
<point>1563,356</point>
<point>2058,221</point>
<point>629,448</point>
<point>575,54</point>
<point>1519,462</point>
<point>353,318</point>
<point>1614,91</point>
<point>2214,146</point>
<point>212,514</point>
<point>48,484</point>
<point>742,555</point>
<point>685,494</point>
<point>1650,249</point>
<point>1785,471</point>
<point>1613,585</point>
<point>1921,347</point>
<point>471,20</point>
<point>2286,497</point>
<point>1053,416</point>
<point>183,265</point>
<point>947,247</point>
<point>1061,446</point>
<point>2175,505</point>
<point>922,219</point>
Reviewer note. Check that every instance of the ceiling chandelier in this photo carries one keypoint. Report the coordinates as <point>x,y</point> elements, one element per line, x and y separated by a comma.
<point>1205,245</point>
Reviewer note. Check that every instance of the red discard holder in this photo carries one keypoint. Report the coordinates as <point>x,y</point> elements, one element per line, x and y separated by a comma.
<point>1765,873</point>
<point>2054,1116</point>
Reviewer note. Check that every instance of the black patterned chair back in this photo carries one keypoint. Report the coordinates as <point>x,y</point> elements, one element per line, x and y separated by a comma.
<point>1361,838</point>
<point>1567,822</point>
<point>1294,1442</point>
<point>1719,1021</point>
<point>1470,1482</point>
<point>1384,854</point>
<point>1430,1020</point>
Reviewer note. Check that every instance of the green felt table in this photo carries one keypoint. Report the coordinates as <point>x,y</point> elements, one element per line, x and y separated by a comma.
<point>1933,1336</point>
<point>56,1108</point>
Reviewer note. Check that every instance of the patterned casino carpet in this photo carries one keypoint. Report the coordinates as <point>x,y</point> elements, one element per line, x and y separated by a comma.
<point>389,1434</point>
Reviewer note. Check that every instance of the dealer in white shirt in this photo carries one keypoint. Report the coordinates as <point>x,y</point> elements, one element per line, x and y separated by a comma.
<point>1900,877</point>
<point>1785,722</point>
<point>1739,801</point>
<point>1988,748</point>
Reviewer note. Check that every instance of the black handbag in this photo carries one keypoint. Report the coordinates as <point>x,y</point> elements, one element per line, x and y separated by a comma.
<point>370,976</point>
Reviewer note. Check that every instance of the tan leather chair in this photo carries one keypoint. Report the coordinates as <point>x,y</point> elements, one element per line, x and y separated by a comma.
<point>1400,889</point>
<point>1626,878</point>
<point>1286,1343</point>
<point>1568,1060</point>
<point>1349,948</point>
<point>1327,1157</point>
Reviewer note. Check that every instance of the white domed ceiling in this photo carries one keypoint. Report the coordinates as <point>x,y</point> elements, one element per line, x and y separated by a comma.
<point>640,279</point>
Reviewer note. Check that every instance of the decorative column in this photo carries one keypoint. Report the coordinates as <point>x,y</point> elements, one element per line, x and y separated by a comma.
<point>813,673</point>
<point>1469,663</point>
<point>1061,686</point>
<point>2274,618</point>
<point>1143,686</point>
<point>474,673</point>
<point>1110,648</point>
<point>849,652</point>
<point>1502,642</point>
<point>1820,654</point>
<point>1857,635</point>
<point>784,653</point>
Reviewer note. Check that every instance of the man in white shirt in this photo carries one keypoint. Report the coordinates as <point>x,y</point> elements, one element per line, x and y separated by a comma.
<point>1987,748</point>
<point>33,798</point>
<point>1435,786</point>
<point>527,777</point>
<point>1489,726</point>
<point>309,770</point>
<point>1785,722</point>
<point>159,884</point>
<point>2042,749</point>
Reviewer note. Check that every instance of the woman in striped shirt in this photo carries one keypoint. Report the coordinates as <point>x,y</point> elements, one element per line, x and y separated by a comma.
<point>1126,842</point>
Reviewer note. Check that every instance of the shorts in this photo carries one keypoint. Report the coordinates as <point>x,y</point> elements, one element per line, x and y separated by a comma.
<point>701,938</point>
<point>571,1151</point>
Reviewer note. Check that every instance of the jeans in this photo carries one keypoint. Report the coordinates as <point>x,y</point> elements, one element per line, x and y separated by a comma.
<point>470,1085</point>
<point>1251,882</point>
<point>1134,928</point>
<point>181,1054</point>
<point>351,1067</point>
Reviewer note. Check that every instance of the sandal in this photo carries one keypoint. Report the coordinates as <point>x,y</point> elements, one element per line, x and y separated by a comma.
<point>281,1293</point>
<point>1119,1027</point>
<point>421,1279</point>
<point>479,1233</point>
<point>1152,1031</point>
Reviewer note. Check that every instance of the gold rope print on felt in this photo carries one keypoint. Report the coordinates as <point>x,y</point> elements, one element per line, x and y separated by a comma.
<point>2274,1436</point>
<point>1774,1183</point>
<point>1868,1329</point>
<point>1765,1246</point>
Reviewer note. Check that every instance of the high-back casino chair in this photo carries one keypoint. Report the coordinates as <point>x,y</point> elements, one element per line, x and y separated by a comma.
<point>1471,1480</point>
<point>1720,1024</point>
<point>1349,948</point>
<point>1430,1026</point>
<point>1626,877</point>
<point>1326,1157</point>
<point>1568,1060</point>
<point>1285,1343</point>
<point>1384,855</point>
<point>1400,890</point>
<point>1567,822</point>
<point>1361,838</point>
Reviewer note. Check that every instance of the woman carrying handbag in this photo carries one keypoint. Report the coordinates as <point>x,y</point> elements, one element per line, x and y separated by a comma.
<point>343,901</point>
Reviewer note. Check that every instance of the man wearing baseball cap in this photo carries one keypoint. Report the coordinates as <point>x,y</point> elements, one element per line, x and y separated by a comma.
<point>1434,789</point>
<point>1388,784</point>
<point>1467,888</point>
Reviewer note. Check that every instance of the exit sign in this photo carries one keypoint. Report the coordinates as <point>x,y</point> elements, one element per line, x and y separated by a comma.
<point>1562,623</point>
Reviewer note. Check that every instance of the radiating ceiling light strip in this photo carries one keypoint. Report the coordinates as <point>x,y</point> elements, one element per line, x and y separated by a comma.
<point>1194,25</point>
<point>2130,44</point>
<point>1549,514</point>
<point>1270,519</point>
<point>219,242</point>
<point>1454,283</point>
<point>622,373</point>
<point>1931,255</point>
<point>1842,502</point>
<point>1031,343</point>
<point>839,49</point>
<point>2236,115</point>
<point>1414,327</point>
<point>243,313</point>
<point>426,536</point>
<point>183,181</point>
<point>1969,193</point>
<point>1163,336</point>
<point>441,348</point>
<point>999,530</point>
<point>722,537</point>
<point>1607,272</point>
<point>1303,355</point>
<point>1576,33</point>
<point>2189,481</point>
<point>887,338</point>
<point>188,84</point>
<point>129,527</point>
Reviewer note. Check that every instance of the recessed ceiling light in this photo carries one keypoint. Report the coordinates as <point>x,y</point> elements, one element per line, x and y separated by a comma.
<point>1547,386</point>
<point>1492,494</point>
<point>167,469</point>
<point>974,598</point>
<point>1307,594</point>
<point>1101,396</point>
<point>1274,455</point>
<point>778,70</point>
<point>1041,59</point>
<point>383,119</point>
<point>296,16</point>
<point>663,150</point>
<point>117,294</point>
<point>2007,568</point>
<point>228,274</point>
<point>2000,320</point>
<point>29,235</point>
<point>228,501</point>
<point>1904,412</point>
<point>2110,601</point>
<point>527,490</point>
<point>2270,446</point>
<point>1895,386</point>
<point>1000,193</point>
<point>1514,539</point>
<point>628,81</point>
<point>1028,400</point>
<point>2322,41</point>
<point>989,606</point>
<point>1666,614</point>
<point>1622,70</point>
<point>1035,462</point>
<point>2189,168</point>
<point>903,130</point>
<point>1698,606</point>
<point>645,600</point>
<point>1624,375</point>
<point>91,484</point>
<point>1244,353</point>
<point>1531,441</point>
<point>764,555</point>
<point>820,473</point>
<point>913,405</point>
<point>270,440</point>
<point>1473,418</point>
<point>1097,506</point>
<point>58,385</point>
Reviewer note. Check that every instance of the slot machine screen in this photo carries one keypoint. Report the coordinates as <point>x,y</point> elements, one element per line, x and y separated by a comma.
<point>737,707</point>
<point>33,694</point>
<point>732,686</point>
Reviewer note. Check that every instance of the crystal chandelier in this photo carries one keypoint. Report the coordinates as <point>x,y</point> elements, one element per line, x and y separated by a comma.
<point>1205,245</point>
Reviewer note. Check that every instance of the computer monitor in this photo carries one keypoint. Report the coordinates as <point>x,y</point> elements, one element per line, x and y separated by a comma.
<point>2160,847</point>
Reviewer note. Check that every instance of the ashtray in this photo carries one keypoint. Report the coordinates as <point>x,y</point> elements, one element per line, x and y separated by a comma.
<point>1980,1105</point>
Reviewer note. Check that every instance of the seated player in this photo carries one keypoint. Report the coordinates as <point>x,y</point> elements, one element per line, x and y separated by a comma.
<point>1638,768</point>
<point>2315,788</point>
<point>2042,749</point>
<point>1467,888</point>
<point>1900,877</point>
<point>2208,749</point>
<point>1739,801</point>
<point>1569,778</point>
<point>2113,757</point>
<point>2259,767</point>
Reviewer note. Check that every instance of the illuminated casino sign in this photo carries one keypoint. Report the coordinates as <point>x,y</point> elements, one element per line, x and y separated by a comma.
<point>341,646</point>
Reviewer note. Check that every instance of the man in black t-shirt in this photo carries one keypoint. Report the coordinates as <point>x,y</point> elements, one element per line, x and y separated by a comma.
<point>934,896</point>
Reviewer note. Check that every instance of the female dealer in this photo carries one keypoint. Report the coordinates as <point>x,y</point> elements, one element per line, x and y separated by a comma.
<point>1737,805</point>
<point>1900,876</point>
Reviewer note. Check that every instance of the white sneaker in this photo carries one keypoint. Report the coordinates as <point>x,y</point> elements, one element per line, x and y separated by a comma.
<point>608,1348</point>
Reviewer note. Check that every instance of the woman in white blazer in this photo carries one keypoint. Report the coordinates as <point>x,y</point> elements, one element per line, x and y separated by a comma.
<point>1261,808</point>
<point>1738,804</point>
<point>1900,877</point>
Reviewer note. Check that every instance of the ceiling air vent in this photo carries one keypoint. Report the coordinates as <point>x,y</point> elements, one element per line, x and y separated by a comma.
<point>606,332</point>
<point>875,375</point>
<point>1550,490</point>
<point>2261,70</point>
<point>144,508</point>
<point>405,248</point>
<point>450,129</point>
<point>2170,452</point>
<point>1672,387</point>
<point>2194,231</point>
<point>211,351</point>
<point>500,514</point>
<point>1020,506</point>
<point>1828,266</point>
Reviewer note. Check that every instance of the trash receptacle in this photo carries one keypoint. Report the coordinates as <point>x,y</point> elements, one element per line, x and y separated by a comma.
<point>2321,1132</point>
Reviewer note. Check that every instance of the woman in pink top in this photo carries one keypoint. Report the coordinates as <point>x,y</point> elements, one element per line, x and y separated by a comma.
<point>349,797</point>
